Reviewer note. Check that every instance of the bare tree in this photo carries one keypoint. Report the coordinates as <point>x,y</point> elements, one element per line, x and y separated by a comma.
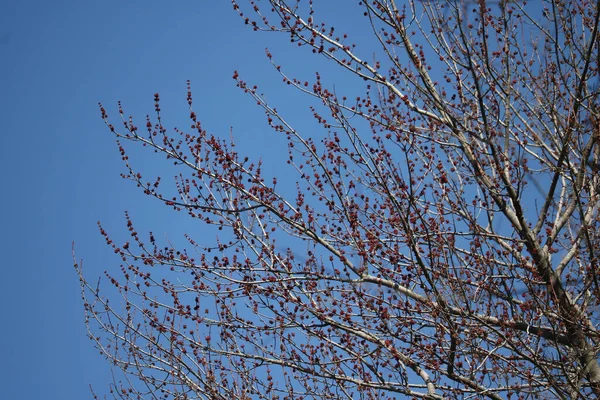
<point>447,219</point>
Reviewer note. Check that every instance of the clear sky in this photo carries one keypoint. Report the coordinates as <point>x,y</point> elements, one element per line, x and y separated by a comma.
<point>61,168</point>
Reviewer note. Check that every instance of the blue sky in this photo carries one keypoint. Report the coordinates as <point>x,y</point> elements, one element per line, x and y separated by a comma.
<point>60,165</point>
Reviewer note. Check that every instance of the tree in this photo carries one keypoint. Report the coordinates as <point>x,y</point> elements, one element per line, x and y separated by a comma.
<point>442,241</point>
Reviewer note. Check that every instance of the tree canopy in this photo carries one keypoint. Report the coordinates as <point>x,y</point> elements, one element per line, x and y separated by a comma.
<point>438,237</point>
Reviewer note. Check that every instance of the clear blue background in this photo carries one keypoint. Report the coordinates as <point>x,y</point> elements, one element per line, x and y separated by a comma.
<point>60,166</point>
